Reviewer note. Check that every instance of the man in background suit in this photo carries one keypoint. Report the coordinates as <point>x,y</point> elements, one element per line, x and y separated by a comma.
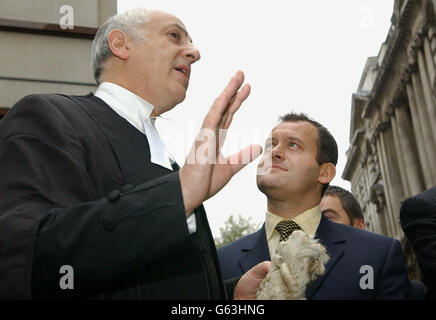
<point>418,220</point>
<point>340,206</point>
<point>362,265</point>
<point>87,185</point>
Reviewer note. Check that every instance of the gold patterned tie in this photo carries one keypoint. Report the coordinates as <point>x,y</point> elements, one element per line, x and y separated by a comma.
<point>285,228</point>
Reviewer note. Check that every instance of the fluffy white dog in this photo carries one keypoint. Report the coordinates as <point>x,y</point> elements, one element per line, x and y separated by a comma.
<point>299,261</point>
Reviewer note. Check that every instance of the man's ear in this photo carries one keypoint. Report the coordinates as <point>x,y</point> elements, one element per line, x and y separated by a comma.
<point>327,173</point>
<point>117,41</point>
<point>358,223</point>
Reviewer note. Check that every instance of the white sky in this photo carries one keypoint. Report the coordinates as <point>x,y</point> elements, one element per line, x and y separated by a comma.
<point>305,56</point>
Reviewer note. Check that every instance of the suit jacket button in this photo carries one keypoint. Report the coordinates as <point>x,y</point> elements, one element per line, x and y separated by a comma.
<point>126,187</point>
<point>113,195</point>
<point>109,225</point>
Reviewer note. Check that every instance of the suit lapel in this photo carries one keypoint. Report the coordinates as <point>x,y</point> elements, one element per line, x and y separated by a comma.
<point>255,251</point>
<point>329,239</point>
<point>130,146</point>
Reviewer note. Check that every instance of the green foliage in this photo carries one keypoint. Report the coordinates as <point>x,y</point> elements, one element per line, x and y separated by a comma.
<point>235,228</point>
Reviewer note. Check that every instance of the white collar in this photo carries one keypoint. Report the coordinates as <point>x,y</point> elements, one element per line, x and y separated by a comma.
<point>137,112</point>
<point>119,97</point>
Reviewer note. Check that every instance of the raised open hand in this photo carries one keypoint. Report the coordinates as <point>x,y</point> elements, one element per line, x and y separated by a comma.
<point>206,170</point>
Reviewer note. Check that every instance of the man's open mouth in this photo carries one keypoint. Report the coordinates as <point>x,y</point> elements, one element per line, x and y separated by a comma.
<point>183,69</point>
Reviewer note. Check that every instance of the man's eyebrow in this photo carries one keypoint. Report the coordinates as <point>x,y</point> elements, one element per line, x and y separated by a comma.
<point>289,138</point>
<point>296,139</point>
<point>328,210</point>
<point>183,30</point>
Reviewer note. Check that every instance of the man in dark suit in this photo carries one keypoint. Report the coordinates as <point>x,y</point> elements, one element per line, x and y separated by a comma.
<point>297,166</point>
<point>340,206</point>
<point>418,220</point>
<point>91,204</point>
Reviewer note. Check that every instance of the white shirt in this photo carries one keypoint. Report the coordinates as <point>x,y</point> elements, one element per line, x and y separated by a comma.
<point>137,112</point>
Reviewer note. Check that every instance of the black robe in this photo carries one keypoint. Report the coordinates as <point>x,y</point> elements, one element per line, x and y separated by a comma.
<point>77,188</point>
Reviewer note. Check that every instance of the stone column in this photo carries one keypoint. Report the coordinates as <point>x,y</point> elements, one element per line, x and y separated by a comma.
<point>419,134</point>
<point>408,147</point>
<point>399,151</point>
<point>393,187</point>
<point>376,206</point>
<point>428,55</point>
<point>425,85</point>
<point>427,125</point>
<point>431,35</point>
<point>432,42</point>
<point>386,181</point>
<point>428,140</point>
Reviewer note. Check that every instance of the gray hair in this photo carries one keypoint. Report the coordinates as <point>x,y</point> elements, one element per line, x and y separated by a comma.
<point>127,22</point>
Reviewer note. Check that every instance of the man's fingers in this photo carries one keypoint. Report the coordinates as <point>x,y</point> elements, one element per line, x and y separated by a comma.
<point>243,157</point>
<point>234,104</point>
<point>241,96</point>
<point>222,103</point>
<point>260,270</point>
<point>230,91</point>
<point>249,283</point>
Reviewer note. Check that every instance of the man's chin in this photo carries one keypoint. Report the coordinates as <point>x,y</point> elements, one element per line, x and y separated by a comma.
<point>179,95</point>
<point>265,183</point>
<point>177,98</point>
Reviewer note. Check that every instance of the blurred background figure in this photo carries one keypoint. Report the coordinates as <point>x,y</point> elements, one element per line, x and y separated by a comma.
<point>339,205</point>
<point>418,220</point>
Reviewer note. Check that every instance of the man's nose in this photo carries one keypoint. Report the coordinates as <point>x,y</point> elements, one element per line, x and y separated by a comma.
<point>192,54</point>
<point>277,153</point>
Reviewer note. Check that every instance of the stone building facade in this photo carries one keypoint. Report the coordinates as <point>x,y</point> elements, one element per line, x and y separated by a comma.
<point>393,122</point>
<point>46,46</point>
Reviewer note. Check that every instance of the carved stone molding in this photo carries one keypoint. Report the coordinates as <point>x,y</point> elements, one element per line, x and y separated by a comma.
<point>374,168</point>
<point>363,160</point>
<point>368,127</point>
<point>389,112</point>
<point>406,76</point>
<point>378,197</point>
<point>417,40</point>
<point>371,148</point>
<point>428,12</point>
<point>382,126</point>
<point>412,57</point>
<point>397,11</point>
<point>399,93</point>
<point>391,99</point>
<point>397,40</point>
<point>431,32</point>
<point>375,136</point>
<point>373,141</point>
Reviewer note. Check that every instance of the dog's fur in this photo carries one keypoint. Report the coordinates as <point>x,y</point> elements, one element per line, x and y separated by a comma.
<point>299,261</point>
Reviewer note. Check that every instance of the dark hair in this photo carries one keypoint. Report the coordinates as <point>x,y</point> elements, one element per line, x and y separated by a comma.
<point>327,147</point>
<point>348,201</point>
